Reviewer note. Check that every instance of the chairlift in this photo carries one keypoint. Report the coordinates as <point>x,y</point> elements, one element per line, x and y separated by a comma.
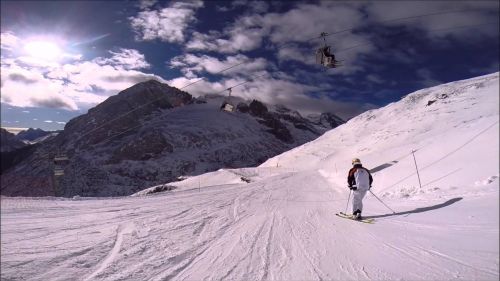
<point>60,161</point>
<point>227,105</point>
<point>324,56</point>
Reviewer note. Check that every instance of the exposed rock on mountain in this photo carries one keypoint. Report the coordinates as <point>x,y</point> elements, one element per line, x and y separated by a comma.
<point>144,146</point>
<point>276,127</point>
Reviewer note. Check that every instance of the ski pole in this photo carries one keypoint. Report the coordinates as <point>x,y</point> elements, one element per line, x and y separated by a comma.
<point>381,201</point>
<point>348,199</point>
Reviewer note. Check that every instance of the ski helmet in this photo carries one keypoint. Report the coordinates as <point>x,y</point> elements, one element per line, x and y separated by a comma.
<point>356,161</point>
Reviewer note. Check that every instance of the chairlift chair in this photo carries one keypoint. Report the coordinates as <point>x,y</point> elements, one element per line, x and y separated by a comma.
<point>324,56</point>
<point>58,172</point>
<point>61,158</point>
<point>227,105</point>
<point>60,161</point>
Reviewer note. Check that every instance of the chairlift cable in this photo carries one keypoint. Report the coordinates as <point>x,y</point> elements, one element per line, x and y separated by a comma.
<point>213,73</point>
<point>397,19</point>
<point>430,31</point>
<point>237,85</point>
<point>384,21</point>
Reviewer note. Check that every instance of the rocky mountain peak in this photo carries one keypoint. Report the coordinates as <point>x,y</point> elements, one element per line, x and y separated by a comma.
<point>125,110</point>
<point>31,134</point>
<point>257,108</point>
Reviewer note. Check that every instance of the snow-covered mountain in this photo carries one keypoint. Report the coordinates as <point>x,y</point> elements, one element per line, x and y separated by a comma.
<point>152,133</point>
<point>277,222</point>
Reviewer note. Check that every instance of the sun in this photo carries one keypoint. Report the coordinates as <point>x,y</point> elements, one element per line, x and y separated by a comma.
<point>45,50</point>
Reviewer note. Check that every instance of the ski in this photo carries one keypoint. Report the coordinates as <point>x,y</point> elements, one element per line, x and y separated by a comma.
<point>349,217</point>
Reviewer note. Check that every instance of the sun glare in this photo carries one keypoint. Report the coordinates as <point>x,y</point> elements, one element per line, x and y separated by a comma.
<point>43,50</point>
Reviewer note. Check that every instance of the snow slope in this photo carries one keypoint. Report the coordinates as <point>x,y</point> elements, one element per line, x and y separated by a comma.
<point>281,225</point>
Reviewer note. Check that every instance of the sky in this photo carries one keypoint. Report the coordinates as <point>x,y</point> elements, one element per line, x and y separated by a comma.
<point>60,58</point>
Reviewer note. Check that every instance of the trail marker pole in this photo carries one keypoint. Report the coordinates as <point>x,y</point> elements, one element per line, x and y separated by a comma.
<point>416,167</point>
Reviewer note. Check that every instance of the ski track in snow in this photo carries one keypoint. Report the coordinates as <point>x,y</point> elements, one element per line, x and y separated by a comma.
<point>245,232</point>
<point>122,230</point>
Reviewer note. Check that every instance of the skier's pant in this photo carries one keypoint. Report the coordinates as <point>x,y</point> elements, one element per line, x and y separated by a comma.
<point>357,199</point>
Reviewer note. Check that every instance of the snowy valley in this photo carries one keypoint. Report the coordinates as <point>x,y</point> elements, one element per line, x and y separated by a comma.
<point>277,221</point>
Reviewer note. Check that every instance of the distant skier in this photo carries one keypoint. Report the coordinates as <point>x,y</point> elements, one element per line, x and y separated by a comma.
<point>360,181</point>
<point>329,57</point>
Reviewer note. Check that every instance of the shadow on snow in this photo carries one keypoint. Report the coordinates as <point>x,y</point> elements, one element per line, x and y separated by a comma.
<point>418,210</point>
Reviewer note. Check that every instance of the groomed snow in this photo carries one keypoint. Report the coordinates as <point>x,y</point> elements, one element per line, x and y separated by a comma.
<point>281,225</point>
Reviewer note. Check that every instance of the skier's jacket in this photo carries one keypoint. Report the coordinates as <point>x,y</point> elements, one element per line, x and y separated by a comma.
<point>360,177</point>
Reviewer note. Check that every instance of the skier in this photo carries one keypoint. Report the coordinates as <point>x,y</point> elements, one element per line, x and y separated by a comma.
<point>360,181</point>
<point>326,53</point>
<point>329,58</point>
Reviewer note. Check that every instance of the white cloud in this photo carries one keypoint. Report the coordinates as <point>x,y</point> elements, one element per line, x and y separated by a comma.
<point>26,111</point>
<point>48,121</point>
<point>167,24</point>
<point>307,21</point>
<point>70,86</point>
<point>239,40</point>
<point>8,41</point>
<point>375,78</point>
<point>426,78</point>
<point>250,6</point>
<point>126,58</point>
<point>191,65</point>
<point>297,53</point>
<point>198,87</point>
<point>146,4</point>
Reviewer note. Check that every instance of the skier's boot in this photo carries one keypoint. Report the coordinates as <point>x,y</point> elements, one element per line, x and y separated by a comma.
<point>357,214</point>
